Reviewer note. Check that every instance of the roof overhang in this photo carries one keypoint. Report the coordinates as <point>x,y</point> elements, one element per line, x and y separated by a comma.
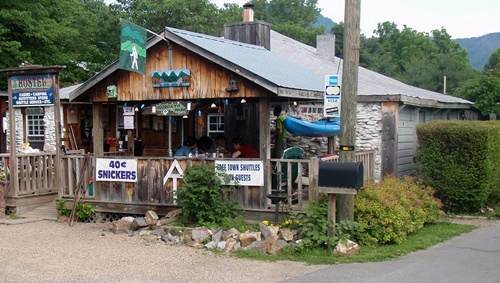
<point>413,101</point>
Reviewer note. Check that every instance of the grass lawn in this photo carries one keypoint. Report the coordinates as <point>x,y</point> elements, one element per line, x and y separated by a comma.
<point>423,239</point>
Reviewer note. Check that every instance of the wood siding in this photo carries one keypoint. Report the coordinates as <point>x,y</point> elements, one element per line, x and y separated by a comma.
<point>208,79</point>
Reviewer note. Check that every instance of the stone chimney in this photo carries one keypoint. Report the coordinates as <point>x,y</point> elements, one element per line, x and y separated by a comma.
<point>249,31</point>
<point>325,46</point>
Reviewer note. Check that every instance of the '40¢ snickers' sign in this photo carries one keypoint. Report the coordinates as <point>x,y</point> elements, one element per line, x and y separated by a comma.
<point>116,170</point>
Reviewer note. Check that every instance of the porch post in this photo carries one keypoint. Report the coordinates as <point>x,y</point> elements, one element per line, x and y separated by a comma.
<point>264,142</point>
<point>98,134</point>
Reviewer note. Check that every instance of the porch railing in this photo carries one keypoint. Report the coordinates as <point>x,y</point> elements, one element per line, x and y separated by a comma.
<point>37,176</point>
<point>35,173</point>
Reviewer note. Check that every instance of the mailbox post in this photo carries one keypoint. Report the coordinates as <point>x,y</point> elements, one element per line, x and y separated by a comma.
<point>339,178</point>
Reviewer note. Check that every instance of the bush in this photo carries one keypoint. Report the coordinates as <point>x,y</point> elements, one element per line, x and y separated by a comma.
<point>461,161</point>
<point>84,212</point>
<point>314,226</point>
<point>204,198</point>
<point>393,209</point>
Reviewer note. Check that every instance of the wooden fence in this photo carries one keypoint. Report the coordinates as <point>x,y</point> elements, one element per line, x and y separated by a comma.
<point>37,176</point>
<point>36,173</point>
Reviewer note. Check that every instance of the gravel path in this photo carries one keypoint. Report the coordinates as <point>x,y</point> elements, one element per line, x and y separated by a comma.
<point>48,251</point>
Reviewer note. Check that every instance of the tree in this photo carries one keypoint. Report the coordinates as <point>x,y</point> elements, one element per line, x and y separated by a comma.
<point>64,32</point>
<point>195,15</point>
<point>492,67</point>
<point>484,92</point>
<point>293,18</point>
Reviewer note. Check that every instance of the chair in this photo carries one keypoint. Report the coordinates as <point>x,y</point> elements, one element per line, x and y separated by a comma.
<point>280,179</point>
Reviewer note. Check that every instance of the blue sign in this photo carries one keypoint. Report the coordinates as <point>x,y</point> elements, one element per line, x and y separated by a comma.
<point>32,90</point>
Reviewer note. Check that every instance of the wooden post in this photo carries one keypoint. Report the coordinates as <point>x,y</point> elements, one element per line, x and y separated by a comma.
<point>313,179</point>
<point>345,203</point>
<point>98,134</point>
<point>265,141</point>
<point>331,214</point>
<point>58,127</point>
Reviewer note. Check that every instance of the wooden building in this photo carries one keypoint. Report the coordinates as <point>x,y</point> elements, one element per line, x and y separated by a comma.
<point>221,86</point>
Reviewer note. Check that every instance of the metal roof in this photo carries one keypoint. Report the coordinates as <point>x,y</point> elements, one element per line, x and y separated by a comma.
<point>369,83</point>
<point>257,64</point>
<point>257,60</point>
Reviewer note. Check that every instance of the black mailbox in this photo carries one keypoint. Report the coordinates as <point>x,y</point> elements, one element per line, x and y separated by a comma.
<point>348,175</point>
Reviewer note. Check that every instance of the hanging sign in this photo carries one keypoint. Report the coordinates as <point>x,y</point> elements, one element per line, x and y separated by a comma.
<point>171,109</point>
<point>243,173</point>
<point>116,170</point>
<point>32,90</point>
<point>171,78</point>
<point>331,107</point>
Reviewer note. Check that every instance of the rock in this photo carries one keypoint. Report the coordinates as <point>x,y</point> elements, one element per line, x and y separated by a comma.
<point>151,217</point>
<point>247,238</point>
<point>221,245</point>
<point>195,244</point>
<point>120,226</point>
<point>231,233</point>
<point>270,233</point>
<point>230,243</point>
<point>139,222</point>
<point>211,245</point>
<point>286,234</point>
<point>200,234</point>
<point>217,235</point>
<point>272,247</point>
<point>257,246</point>
<point>348,248</point>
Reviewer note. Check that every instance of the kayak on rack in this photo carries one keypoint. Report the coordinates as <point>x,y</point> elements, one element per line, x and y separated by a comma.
<point>322,128</point>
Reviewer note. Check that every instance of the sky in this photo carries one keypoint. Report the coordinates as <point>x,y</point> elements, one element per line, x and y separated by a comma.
<point>460,18</point>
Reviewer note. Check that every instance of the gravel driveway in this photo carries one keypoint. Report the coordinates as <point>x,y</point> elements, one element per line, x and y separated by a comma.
<point>49,251</point>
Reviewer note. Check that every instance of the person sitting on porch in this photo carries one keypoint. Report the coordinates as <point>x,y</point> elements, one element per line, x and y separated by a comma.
<point>187,147</point>
<point>219,144</point>
<point>244,150</point>
<point>204,144</point>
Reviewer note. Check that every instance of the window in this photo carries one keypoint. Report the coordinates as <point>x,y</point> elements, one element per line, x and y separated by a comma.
<point>215,124</point>
<point>35,130</point>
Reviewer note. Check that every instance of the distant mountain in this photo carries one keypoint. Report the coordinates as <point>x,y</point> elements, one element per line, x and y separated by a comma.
<point>480,48</point>
<point>327,22</point>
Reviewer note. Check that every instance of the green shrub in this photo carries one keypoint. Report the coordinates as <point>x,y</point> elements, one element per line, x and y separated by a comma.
<point>204,198</point>
<point>314,226</point>
<point>84,212</point>
<point>461,161</point>
<point>394,208</point>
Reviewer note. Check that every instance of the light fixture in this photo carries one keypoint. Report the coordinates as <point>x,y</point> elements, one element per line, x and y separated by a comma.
<point>136,109</point>
<point>188,106</point>
<point>243,100</point>
<point>213,105</point>
<point>295,103</point>
<point>185,117</point>
<point>153,109</point>
<point>143,105</point>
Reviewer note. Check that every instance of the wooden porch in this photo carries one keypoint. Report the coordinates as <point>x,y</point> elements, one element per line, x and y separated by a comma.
<point>37,185</point>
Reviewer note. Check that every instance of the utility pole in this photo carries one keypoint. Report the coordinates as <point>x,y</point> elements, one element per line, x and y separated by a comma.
<point>345,203</point>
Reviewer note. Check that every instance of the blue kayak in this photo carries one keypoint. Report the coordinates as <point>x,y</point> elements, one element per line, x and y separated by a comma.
<point>321,128</point>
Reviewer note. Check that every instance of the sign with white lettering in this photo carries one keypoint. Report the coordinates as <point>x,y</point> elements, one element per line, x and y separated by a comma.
<point>244,173</point>
<point>116,170</point>
<point>32,90</point>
